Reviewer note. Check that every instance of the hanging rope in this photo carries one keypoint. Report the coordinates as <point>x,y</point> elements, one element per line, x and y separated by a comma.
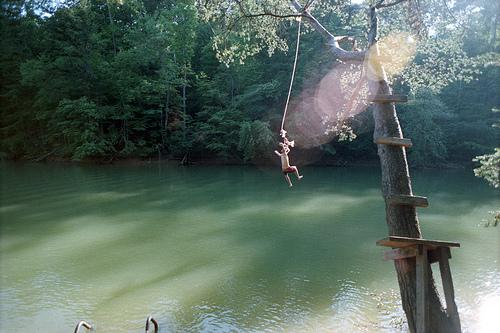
<point>293,76</point>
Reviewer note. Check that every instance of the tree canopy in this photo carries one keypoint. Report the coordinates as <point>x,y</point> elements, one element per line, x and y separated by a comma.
<point>110,79</point>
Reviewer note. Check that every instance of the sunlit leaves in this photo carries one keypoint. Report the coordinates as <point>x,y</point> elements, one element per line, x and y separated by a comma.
<point>242,30</point>
<point>489,168</point>
<point>245,28</point>
<point>441,56</point>
<point>238,37</point>
<point>440,62</point>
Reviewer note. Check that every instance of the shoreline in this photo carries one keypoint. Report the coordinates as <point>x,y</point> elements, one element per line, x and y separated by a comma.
<point>221,162</point>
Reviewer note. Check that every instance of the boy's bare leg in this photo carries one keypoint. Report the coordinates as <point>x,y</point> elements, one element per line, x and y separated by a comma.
<point>297,173</point>
<point>288,180</point>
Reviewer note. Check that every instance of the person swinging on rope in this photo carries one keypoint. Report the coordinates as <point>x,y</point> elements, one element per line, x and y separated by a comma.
<point>285,162</point>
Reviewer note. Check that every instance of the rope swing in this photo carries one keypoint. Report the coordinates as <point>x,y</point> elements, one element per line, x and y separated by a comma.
<point>292,78</point>
<point>286,168</point>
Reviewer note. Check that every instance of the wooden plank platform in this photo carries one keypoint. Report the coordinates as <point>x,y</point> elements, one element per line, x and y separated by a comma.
<point>392,141</point>
<point>410,252</point>
<point>425,252</point>
<point>399,242</point>
<point>382,98</point>
<point>410,200</point>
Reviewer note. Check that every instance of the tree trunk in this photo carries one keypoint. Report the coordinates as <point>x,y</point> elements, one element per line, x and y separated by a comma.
<point>401,220</point>
<point>112,27</point>
<point>167,105</point>
<point>493,28</point>
<point>184,86</point>
<point>184,105</point>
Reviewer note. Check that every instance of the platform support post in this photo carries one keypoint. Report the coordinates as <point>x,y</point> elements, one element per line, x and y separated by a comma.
<point>449,292</point>
<point>426,252</point>
<point>422,292</point>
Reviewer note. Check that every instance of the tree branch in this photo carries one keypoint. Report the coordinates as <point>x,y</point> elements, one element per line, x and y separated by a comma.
<point>337,51</point>
<point>381,4</point>
<point>347,39</point>
<point>308,4</point>
<point>333,40</point>
<point>272,15</point>
<point>372,32</point>
<point>265,13</point>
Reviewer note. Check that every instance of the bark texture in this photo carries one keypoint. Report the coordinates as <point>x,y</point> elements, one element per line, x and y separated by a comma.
<point>401,220</point>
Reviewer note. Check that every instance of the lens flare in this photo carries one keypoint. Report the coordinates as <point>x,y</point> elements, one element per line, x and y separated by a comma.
<point>323,112</point>
<point>395,51</point>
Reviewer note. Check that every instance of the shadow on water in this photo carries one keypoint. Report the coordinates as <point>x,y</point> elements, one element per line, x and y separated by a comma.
<point>209,248</point>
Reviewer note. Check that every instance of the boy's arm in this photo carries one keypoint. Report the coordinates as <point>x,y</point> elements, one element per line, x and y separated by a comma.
<point>277,153</point>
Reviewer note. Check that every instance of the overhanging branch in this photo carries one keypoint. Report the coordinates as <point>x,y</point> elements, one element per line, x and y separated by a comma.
<point>246,14</point>
<point>308,4</point>
<point>272,15</point>
<point>381,4</point>
<point>337,51</point>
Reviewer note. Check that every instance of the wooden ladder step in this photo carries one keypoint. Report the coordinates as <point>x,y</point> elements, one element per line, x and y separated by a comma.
<point>409,200</point>
<point>394,141</point>
<point>381,98</point>
<point>405,242</point>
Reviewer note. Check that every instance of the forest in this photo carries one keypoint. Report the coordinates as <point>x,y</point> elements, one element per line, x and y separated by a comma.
<point>102,81</point>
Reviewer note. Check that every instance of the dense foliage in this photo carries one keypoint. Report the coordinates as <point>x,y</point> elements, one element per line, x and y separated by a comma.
<point>105,80</point>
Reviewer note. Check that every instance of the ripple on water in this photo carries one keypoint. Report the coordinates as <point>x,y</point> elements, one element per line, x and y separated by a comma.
<point>213,318</point>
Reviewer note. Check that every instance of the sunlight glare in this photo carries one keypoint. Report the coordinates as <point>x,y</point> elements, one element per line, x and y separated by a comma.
<point>396,51</point>
<point>488,315</point>
<point>325,111</point>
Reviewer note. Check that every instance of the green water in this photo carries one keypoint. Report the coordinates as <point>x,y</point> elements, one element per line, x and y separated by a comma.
<point>226,249</point>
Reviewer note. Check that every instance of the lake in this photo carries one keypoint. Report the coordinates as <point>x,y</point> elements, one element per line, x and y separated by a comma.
<point>227,249</point>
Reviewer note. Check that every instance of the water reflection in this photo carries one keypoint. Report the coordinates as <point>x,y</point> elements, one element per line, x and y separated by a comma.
<point>224,249</point>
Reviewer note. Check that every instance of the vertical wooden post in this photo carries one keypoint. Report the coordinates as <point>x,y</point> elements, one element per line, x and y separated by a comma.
<point>422,292</point>
<point>426,252</point>
<point>449,292</point>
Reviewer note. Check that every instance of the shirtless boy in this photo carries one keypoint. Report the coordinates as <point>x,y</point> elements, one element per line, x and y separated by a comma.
<point>285,163</point>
